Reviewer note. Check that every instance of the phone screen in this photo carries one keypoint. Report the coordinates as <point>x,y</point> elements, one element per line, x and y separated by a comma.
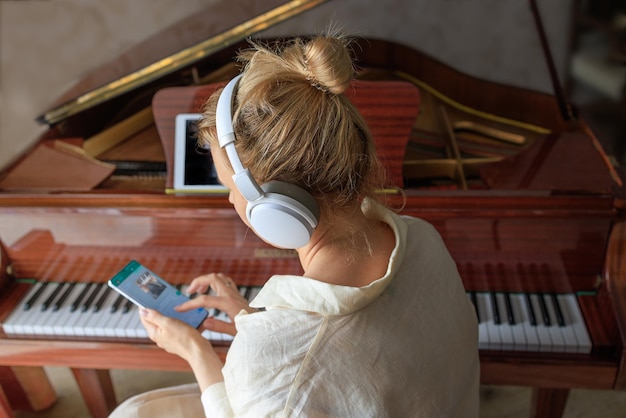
<point>145,289</point>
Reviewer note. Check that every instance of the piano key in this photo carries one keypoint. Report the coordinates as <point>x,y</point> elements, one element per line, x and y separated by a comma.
<point>51,298</point>
<point>37,314</point>
<point>574,320</point>
<point>544,311</point>
<point>483,336</point>
<point>526,320</point>
<point>530,310</point>
<point>41,286</point>
<point>507,340</point>
<point>128,305</point>
<point>103,297</point>
<point>495,313</point>
<point>105,312</point>
<point>97,315</point>
<point>118,303</point>
<point>557,310</point>
<point>509,309</point>
<point>90,299</point>
<point>475,303</point>
<point>558,342</point>
<point>74,314</point>
<point>65,313</point>
<point>77,301</point>
<point>521,322</point>
<point>86,315</point>
<point>14,322</point>
<point>491,332</point>
<point>543,333</point>
<point>64,297</point>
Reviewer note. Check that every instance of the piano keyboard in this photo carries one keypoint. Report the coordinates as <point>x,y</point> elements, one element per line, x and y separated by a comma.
<point>530,322</point>
<point>62,310</point>
<point>506,321</point>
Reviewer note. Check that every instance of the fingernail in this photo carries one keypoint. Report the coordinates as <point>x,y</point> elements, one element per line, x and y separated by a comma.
<point>143,312</point>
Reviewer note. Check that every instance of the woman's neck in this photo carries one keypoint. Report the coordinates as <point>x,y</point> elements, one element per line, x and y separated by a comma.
<point>355,258</point>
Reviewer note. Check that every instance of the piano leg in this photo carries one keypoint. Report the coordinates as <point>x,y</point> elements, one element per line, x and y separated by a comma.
<point>27,388</point>
<point>97,390</point>
<point>548,402</point>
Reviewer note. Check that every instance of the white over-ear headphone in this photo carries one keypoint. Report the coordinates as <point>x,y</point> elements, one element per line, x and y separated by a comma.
<point>280,213</point>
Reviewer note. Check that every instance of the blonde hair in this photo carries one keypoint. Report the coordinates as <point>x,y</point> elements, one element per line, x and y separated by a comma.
<point>293,123</point>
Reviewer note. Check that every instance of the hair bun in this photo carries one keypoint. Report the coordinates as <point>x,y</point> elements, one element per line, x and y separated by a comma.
<point>328,64</point>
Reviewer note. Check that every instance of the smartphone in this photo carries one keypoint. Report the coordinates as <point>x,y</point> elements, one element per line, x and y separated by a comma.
<point>147,290</point>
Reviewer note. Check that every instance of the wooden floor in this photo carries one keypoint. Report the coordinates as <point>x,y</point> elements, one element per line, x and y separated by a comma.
<point>496,402</point>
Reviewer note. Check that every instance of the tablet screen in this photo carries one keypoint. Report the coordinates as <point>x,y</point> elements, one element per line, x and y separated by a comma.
<point>194,171</point>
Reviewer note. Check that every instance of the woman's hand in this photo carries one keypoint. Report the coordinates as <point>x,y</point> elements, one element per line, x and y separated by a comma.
<point>226,298</point>
<point>172,335</point>
<point>178,338</point>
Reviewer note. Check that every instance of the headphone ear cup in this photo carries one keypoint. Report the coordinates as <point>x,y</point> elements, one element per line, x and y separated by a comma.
<point>285,216</point>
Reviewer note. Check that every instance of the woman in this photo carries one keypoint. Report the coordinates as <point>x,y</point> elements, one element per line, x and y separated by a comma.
<point>379,323</point>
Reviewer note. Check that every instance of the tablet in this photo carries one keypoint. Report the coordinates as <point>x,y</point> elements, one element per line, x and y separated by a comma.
<point>194,171</point>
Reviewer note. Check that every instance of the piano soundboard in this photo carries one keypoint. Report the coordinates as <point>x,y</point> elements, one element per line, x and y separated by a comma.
<point>537,322</point>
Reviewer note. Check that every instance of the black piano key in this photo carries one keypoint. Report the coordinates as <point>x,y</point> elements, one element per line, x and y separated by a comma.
<point>127,306</point>
<point>544,310</point>
<point>46,304</point>
<point>494,308</point>
<point>81,296</point>
<point>101,299</point>
<point>96,289</point>
<point>474,302</point>
<point>33,299</point>
<point>60,301</point>
<point>116,305</point>
<point>557,310</point>
<point>531,311</point>
<point>509,309</point>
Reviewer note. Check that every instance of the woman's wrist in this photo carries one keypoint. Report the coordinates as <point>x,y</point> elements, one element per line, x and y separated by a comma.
<point>204,362</point>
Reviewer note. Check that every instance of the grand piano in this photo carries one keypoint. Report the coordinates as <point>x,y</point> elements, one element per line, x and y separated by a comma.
<point>516,182</point>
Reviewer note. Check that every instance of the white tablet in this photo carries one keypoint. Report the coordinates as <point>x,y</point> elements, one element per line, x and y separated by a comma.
<point>194,171</point>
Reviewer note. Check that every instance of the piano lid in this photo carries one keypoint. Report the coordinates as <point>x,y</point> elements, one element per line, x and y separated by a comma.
<point>222,24</point>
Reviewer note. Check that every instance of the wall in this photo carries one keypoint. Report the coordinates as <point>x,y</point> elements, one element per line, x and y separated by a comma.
<point>47,45</point>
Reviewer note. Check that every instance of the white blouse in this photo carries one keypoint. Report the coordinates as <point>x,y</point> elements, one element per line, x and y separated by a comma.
<point>406,345</point>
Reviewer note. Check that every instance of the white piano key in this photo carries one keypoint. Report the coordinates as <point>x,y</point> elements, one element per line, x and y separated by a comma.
<point>32,322</point>
<point>53,316</point>
<point>558,342</point>
<point>13,325</point>
<point>65,314</point>
<point>520,342</point>
<point>530,331</point>
<point>483,334</point>
<point>122,326</point>
<point>570,344</point>
<point>113,321</point>
<point>72,316</point>
<point>543,333</point>
<point>96,326</point>
<point>85,316</point>
<point>493,334</point>
<point>574,316</point>
<point>507,342</point>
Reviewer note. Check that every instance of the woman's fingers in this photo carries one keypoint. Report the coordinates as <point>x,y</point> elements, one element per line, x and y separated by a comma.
<point>219,282</point>
<point>217,325</point>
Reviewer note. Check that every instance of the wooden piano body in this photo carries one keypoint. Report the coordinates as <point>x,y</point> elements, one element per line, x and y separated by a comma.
<point>524,198</point>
